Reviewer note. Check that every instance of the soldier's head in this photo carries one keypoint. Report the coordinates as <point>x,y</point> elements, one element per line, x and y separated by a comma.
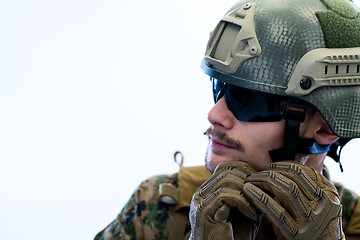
<point>286,81</point>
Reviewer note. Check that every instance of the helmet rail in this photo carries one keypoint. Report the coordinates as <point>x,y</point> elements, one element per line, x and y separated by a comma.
<point>325,67</point>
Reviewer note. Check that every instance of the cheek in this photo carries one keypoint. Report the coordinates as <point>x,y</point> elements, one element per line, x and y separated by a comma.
<point>261,138</point>
<point>272,135</point>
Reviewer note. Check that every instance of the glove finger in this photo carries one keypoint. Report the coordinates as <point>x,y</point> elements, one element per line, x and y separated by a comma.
<point>311,182</point>
<point>244,167</point>
<point>212,230</point>
<point>222,214</point>
<point>230,198</point>
<point>221,231</point>
<point>227,175</point>
<point>227,179</point>
<point>285,191</point>
<point>276,214</point>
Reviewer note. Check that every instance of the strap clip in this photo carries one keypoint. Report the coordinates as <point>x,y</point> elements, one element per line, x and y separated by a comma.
<point>295,111</point>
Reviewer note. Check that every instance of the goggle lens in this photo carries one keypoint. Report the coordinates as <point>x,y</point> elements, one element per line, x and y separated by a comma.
<point>248,105</point>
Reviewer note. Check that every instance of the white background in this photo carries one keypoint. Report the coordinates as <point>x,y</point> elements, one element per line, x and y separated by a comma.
<point>96,96</point>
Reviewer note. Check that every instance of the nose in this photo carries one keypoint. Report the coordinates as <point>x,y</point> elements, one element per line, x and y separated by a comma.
<point>220,116</point>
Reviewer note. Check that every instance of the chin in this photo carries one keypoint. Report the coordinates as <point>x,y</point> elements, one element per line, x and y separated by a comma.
<point>208,162</point>
<point>212,160</point>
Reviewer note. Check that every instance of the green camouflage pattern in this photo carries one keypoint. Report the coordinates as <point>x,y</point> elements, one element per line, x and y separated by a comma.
<point>146,217</point>
<point>349,199</point>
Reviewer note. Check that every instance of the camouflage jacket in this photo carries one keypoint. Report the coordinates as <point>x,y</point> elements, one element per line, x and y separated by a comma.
<point>148,216</point>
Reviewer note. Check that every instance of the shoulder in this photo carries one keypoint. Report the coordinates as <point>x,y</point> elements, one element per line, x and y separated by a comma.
<point>146,202</point>
<point>144,216</point>
<point>148,190</point>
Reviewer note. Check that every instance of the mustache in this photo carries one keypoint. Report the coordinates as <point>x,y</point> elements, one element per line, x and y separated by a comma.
<point>224,138</point>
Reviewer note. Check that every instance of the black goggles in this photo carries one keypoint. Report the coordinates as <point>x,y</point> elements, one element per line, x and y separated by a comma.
<point>248,105</point>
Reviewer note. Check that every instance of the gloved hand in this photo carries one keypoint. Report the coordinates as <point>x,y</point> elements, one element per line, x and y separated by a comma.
<point>218,208</point>
<point>303,204</point>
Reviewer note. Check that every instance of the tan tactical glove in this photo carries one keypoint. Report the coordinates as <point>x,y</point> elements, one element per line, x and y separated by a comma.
<point>218,208</point>
<point>298,201</point>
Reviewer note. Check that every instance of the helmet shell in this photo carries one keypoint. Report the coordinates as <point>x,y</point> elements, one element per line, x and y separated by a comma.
<point>286,30</point>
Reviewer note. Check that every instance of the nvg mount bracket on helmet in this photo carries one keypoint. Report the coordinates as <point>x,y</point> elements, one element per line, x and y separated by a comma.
<point>234,40</point>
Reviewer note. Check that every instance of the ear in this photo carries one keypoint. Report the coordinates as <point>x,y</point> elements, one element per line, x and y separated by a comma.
<point>315,127</point>
<point>324,135</point>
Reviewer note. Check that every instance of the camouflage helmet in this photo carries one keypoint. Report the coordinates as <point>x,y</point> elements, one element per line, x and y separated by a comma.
<point>303,49</point>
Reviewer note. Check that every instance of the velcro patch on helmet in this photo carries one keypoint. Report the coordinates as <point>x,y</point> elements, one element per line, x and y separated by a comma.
<point>340,24</point>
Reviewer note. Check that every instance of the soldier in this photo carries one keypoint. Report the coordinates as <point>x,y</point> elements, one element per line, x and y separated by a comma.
<point>286,86</point>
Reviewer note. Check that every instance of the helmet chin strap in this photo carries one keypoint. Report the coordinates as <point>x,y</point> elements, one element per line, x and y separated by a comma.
<point>294,115</point>
<point>336,148</point>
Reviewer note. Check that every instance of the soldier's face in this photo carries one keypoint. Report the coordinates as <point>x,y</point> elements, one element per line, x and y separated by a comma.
<point>234,140</point>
